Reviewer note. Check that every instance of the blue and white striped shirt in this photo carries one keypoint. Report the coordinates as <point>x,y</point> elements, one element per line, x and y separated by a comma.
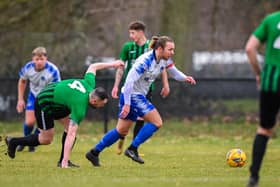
<point>145,70</point>
<point>39,79</point>
<point>142,74</point>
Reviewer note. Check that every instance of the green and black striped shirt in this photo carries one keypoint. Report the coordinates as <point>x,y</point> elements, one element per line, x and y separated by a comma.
<point>269,32</point>
<point>70,96</point>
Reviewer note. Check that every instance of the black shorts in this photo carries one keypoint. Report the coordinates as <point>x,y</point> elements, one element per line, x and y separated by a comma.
<point>44,121</point>
<point>269,107</point>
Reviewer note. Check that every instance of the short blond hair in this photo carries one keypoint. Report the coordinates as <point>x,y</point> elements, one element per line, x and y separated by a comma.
<point>39,51</point>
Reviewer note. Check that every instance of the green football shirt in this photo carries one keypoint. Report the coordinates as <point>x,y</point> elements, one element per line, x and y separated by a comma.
<point>68,96</point>
<point>269,32</point>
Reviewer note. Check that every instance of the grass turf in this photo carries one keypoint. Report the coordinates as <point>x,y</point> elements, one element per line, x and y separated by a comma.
<point>182,153</point>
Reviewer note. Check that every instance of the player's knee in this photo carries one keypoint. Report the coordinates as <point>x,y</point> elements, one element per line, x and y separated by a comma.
<point>46,140</point>
<point>122,131</point>
<point>29,122</point>
<point>158,124</point>
<point>264,131</point>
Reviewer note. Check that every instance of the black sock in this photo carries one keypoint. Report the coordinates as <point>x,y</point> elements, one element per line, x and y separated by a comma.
<point>139,124</point>
<point>64,135</point>
<point>122,137</point>
<point>258,152</point>
<point>31,140</point>
<point>95,152</point>
<point>62,146</point>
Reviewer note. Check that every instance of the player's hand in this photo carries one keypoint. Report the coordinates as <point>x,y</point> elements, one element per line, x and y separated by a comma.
<point>165,92</point>
<point>118,63</point>
<point>190,80</point>
<point>114,92</point>
<point>20,106</point>
<point>125,111</point>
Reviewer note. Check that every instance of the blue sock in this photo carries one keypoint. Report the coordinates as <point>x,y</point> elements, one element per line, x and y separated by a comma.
<point>108,139</point>
<point>145,133</point>
<point>37,131</point>
<point>27,130</point>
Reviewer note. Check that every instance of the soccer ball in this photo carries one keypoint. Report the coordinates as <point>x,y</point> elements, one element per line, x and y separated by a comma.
<point>236,158</point>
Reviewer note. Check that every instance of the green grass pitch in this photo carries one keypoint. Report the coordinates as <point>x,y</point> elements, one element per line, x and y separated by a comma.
<point>182,153</point>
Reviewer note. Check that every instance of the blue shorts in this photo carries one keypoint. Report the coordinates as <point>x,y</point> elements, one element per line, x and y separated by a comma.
<point>139,106</point>
<point>30,104</point>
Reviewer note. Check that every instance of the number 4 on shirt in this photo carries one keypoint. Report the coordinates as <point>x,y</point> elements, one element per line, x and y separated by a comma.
<point>78,86</point>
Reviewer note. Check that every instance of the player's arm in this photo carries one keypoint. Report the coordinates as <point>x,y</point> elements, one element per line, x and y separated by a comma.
<point>118,78</point>
<point>178,75</point>
<point>70,138</point>
<point>164,79</point>
<point>119,73</point>
<point>251,48</point>
<point>21,89</point>
<point>56,76</point>
<point>103,65</point>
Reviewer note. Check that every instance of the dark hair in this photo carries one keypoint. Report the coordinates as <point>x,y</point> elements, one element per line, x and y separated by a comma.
<point>137,25</point>
<point>99,92</point>
<point>159,41</point>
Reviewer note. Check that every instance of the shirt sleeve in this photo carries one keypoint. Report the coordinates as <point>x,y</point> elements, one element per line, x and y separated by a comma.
<point>56,76</point>
<point>261,31</point>
<point>90,79</point>
<point>176,74</point>
<point>170,63</point>
<point>124,53</point>
<point>22,74</point>
<point>23,71</point>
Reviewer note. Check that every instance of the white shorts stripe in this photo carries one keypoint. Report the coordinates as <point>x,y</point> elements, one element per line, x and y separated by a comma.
<point>43,120</point>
